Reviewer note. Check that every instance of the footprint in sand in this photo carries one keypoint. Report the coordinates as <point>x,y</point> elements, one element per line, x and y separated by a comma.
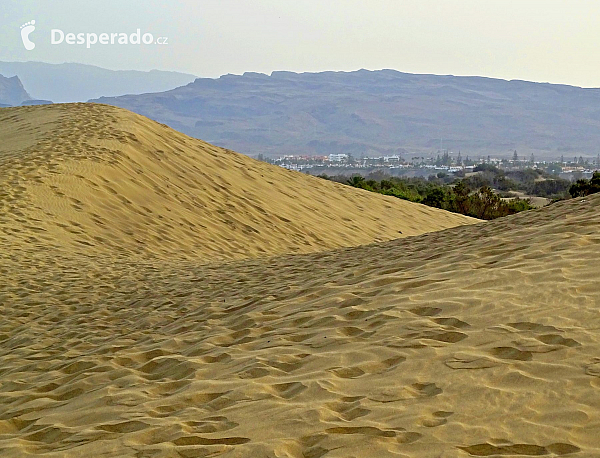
<point>438,418</point>
<point>26,29</point>
<point>487,449</point>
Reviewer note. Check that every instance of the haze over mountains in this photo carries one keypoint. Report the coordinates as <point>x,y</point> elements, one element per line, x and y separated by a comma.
<point>72,82</point>
<point>383,111</point>
<point>360,113</point>
<point>163,297</point>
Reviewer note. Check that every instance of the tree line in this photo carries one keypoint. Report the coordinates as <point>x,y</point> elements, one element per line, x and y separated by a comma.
<point>441,192</point>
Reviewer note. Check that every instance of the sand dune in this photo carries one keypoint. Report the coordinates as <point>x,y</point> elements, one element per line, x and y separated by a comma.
<point>475,341</point>
<point>478,340</point>
<point>95,178</point>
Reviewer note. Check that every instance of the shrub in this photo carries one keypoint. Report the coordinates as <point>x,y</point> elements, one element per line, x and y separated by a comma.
<point>586,187</point>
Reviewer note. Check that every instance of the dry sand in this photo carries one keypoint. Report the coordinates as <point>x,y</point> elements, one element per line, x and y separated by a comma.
<point>102,179</point>
<point>479,340</point>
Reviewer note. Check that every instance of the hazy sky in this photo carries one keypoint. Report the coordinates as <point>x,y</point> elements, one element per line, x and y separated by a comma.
<point>538,40</point>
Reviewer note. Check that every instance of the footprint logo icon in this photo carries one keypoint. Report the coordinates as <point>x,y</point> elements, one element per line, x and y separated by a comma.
<point>26,29</point>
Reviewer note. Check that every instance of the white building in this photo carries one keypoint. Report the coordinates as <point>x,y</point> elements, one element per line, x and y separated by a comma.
<point>337,157</point>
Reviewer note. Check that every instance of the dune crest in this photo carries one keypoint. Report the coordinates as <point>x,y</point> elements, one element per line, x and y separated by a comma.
<point>101,179</point>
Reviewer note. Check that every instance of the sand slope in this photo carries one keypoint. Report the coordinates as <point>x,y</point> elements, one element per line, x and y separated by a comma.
<point>475,341</point>
<point>122,336</point>
<point>100,179</point>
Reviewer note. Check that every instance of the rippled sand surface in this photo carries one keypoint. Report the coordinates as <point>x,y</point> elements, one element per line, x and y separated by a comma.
<point>477,340</point>
<point>108,182</point>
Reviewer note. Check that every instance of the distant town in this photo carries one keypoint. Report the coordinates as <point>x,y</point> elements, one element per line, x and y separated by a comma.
<point>571,168</point>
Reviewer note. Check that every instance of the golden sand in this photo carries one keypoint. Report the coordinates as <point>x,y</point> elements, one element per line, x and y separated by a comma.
<point>101,179</point>
<point>478,340</point>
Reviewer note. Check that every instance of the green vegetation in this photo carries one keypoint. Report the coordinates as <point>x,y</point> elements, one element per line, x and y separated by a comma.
<point>479,194</point>
<point>443,192</point>
<point>586,187</point>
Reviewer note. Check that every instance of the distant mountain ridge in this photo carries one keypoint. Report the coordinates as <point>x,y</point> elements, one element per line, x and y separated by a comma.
<point>383,111</point>
<point>71,82</point>
<point>12,91</point>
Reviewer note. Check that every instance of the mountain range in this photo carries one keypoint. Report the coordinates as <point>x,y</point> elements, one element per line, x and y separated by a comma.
<point>381,112</point>
<point>72,82</point>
